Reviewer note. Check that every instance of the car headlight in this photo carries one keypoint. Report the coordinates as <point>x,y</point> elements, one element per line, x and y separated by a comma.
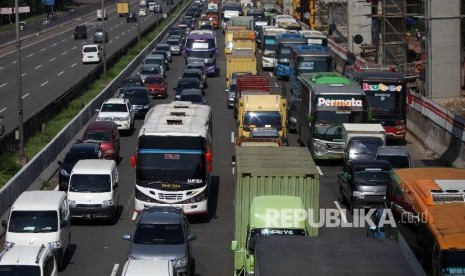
<point>293,120</point>
<point>107,203</point>
<point>72,203</point>
<point>177,97</point>
<point>63,172</point>
<point>54,245</point>
<point>319,147</point>
<point>358,193</point>
<point>181,262</point>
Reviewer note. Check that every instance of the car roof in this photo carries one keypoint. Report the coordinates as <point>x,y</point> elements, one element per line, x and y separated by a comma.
<point>150,66</point>
<point>196,63</point>
<point>131,79</point>
<point>93,166</point>
<point>155,76</point>
<point>80,147</point>
<point>116,100</point>
<point>154,56</point>
<point>192,70</point>
<point>100,125</point>
<point>39,200</point>
<point>182,80</point>
<point>90,45</point>
<point>162,45</point>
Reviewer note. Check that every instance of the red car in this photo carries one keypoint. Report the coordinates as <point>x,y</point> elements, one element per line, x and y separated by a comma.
<point>157,86</point>
<point>106,134</point>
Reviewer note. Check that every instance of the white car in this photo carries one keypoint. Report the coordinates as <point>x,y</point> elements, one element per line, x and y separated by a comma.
<point>142,3</point>
<point>142,12</point>
<point>117,110</point>
<point>91,53</point>
<point>27,260</point>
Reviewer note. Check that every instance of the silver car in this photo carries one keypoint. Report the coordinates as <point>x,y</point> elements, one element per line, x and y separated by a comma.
<point>162,232</point>
<point>175,44</point>
<point>149,69</point>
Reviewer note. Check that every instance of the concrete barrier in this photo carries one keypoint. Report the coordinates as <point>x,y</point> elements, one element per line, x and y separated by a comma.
<point>31,171</point>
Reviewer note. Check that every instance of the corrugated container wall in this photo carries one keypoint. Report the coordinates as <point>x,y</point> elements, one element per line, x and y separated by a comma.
<point>273,171</point>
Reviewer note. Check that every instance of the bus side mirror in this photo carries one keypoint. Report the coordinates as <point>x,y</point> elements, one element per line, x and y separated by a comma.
<point>133,160</point>
<point>233,245</point>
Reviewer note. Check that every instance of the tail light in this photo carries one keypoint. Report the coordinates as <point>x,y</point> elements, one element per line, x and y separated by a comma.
<point>208,160</point>
<point>133,160</point>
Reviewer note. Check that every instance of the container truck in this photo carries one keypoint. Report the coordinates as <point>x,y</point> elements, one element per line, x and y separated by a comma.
<point>270,181</point>
<point>240,40</point>
<point>240,63</point>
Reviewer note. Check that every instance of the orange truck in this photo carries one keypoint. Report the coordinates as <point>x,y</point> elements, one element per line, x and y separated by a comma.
<point>432,199</point>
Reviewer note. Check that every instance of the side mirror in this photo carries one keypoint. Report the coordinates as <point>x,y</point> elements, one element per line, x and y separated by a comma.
<point>97,110</point>
<point>191,237</point>
<point>63,223</point>
<point>127,237</point>
<point>60,162</point>
<point>174,88</point>
<point>115,185</point>
<point>234,245</point>
<point>4,223</point>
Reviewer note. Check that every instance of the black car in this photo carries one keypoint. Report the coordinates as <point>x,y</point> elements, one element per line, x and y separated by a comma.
<point>165,47</point>
<point>129,82</point>
<point>139,99</point>
<point>189,22</point>
<point>80,31</point>
<point>132,17</point>
<point>192,12</point>
<point>186,83</point>
<point>77,152</point>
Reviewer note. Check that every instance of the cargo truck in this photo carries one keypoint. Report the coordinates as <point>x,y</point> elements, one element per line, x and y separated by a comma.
<point>240,63</point>
<point>271,180</point>
<point>362,141</point>
<point>123,8</point>
<point>246,21</point>
<point>240,40</point>
<point>101,15</point>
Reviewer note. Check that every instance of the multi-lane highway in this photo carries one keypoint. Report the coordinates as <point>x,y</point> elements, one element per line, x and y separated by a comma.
<point>51,63</point>
<point>98,249</point>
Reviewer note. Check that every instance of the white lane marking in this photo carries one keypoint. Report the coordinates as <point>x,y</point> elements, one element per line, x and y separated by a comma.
<point>74,64</point>
<point>83,43</point>
<point>38,66</point>
<point>74,48</point>
<point>23,74</point>
<point>117,37</point>
<point>134,216</point>
<point>1,68</point>
<point>64,53</point>
<point>52,59</point>
<point>44,83</point>
<point>3,84</point>
<point>30,55</point>
<point>319,170</point>
<point>271,74</point>
<point>26,95</point>
<point>342,212</point>
<point>232,136</point>
<point>14,62</point>
<point>63,40</point>
<point>114,270</point>
<point>3,110</point>
<point>43,49</point>
<point>54,44</point>
<point>60,73</point>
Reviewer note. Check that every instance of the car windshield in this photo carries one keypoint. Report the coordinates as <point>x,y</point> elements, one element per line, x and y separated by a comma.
<point>163,48</point>
<point>135,94</point>
<point>72,158</point>
<point>147,233</point>
<point>192,98</point>
<point>157,61</point>
<point>20,270</point>
<point>397,161</point>
<point>187,85</point>
<point>154,81</point>
<point>33,221</point>
<point>131,83</point>
<point>90,183</point>
<point>262,119</point>
<point>114,107</point>
<point>191,75</point>
<point>97,136</point>
<point>150,71</point>
<point>372,177</point>
<point>173,42</point>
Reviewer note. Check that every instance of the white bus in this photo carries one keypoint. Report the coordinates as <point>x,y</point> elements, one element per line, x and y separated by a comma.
<point>173,157</point>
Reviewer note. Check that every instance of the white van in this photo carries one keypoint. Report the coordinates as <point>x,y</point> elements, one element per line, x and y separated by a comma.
<point>91,53</point>
<point>40,217</point>
<point>92,190</point>
<point>146,267</point>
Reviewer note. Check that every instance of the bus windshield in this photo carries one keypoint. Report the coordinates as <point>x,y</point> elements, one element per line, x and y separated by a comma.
<point>269,44</point>
<point>170,158</point>
<point>284,54</point>
<point>386,101</point>
<point>329,123</point>
<point>312,64</point>
<point>201,54</point>
<point>200,44</point>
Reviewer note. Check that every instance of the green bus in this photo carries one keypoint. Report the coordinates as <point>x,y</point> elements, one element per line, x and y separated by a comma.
<point>326,101</point>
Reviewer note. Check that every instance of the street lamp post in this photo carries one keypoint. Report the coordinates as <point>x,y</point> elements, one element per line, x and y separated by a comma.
<point>22,158</point>
<point>104,45</point>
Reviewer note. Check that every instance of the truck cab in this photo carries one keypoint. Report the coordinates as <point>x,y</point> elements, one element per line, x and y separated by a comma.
<point>363,184</point>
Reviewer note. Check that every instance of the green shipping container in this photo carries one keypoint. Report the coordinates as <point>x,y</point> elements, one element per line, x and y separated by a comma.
<point>273,171</point>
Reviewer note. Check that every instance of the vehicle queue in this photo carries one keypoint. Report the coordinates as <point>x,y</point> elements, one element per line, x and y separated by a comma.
<point>168,225</point>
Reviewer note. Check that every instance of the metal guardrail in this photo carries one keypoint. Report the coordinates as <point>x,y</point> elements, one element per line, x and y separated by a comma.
<point>22,180</point>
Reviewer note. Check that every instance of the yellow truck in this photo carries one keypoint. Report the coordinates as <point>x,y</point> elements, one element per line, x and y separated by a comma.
<point>262,111</point>
<point>244,62</point>
<point>123,8</point>
<point>239,40</point>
